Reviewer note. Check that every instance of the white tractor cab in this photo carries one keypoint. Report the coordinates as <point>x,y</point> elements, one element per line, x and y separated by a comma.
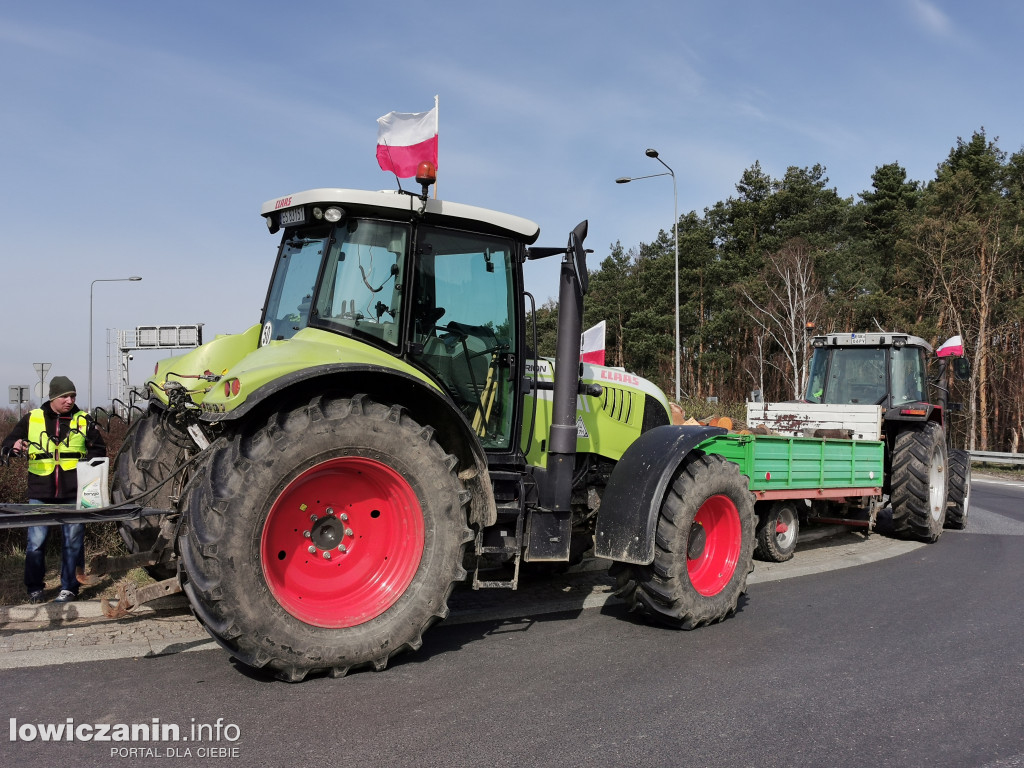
<point>886,369</point>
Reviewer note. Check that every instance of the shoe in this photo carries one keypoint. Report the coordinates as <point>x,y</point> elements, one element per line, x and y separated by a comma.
<point>35,598</point>
<point>65,596</point>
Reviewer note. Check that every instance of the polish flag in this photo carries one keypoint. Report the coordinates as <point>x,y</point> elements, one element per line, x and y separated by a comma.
<point>953,347</point>
<point>592,344</point>
<point>406,139</point>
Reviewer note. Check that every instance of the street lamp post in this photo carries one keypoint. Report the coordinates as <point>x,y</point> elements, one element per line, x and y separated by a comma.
<point>675,236</point>
<point>133,279</point>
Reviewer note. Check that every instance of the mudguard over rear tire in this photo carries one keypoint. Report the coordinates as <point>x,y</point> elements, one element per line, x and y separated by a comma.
<point>151,452</point>
<point>919,482</point>
<point>327,538</point>
<point>959,490</point>
<point>704,545</point>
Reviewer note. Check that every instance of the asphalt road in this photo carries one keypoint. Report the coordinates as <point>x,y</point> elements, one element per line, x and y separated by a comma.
<point>913,660</point>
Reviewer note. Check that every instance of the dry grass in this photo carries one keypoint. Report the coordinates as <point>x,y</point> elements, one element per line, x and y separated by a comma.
<point>99,537</point>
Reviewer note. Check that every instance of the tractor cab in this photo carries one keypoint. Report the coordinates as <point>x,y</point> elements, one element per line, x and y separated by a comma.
<point>431,283</point>
<point>883,369</point>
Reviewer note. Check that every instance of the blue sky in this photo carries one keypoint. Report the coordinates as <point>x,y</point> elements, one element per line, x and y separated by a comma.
<point>142,138</point>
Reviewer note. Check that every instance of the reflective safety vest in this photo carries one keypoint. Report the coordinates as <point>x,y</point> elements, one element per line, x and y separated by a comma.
<point>45,454</point>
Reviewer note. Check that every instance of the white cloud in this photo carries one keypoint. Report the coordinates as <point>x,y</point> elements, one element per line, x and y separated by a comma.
<point>931,18</point>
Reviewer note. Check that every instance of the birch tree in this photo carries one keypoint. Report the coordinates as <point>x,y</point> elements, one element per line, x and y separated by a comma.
<point>789,302</point>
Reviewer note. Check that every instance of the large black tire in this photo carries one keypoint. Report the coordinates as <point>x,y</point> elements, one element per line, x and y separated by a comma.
<point>919,477</point>
<point>351,479</point>
<point>778,528</point>
<point>151,452</point>
<point>703,547</point>
<point>959,490</point>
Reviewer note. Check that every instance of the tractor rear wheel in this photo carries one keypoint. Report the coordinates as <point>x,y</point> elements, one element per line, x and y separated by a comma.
<point>328,538</point>
<point>151,452</point>
<point>919,482</point>
<point>703,547</point>
<point>959,490</point>
<point>778,529</point>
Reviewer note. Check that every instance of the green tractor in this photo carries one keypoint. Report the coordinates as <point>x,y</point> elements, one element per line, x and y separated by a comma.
<point>385,433</point>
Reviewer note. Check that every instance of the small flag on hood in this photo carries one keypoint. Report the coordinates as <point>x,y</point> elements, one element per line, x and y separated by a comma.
<point>592,344</point>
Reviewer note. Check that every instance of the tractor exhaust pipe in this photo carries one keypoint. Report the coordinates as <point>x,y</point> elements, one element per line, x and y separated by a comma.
<point>557,491</point>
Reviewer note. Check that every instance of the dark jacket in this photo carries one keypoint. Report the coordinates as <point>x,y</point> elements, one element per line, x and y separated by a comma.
<point>61,485</point>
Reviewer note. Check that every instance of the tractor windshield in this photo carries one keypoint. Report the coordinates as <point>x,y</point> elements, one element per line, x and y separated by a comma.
<point>867,375</point>
<point>463,325</point>
<point>359,266</point>
<point>848,375</point>
<point>291,290</point>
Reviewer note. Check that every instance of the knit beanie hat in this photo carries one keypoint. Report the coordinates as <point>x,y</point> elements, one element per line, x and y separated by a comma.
<point>60,386</point>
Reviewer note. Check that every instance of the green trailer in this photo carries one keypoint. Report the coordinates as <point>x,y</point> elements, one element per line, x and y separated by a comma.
<point>827,479</point>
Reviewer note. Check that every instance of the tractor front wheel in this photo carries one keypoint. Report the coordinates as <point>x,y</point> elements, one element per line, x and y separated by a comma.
<point>703,547</point>
<point>919,482</point>
<point>959,490</point>
<point>328,538</point>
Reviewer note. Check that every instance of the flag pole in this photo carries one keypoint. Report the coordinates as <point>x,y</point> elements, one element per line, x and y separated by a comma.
<point>437,133</point>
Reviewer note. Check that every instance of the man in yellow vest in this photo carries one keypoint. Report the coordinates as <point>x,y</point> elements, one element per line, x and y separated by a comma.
<point>54,437</point>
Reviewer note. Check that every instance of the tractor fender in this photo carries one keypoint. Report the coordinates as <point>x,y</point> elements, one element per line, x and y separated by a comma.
<point>628,516</point>
<point>428,405</point>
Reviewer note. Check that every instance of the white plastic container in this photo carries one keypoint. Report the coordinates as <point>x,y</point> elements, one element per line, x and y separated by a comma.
<point>92,483</point>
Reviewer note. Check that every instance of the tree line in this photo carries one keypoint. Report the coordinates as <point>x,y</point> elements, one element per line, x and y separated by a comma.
<point>932,258</point>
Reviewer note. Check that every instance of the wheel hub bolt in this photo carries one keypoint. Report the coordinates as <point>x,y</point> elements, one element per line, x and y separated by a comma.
<point>307,534</point>
<point>327,555</point>
<point>312,549</point>
<point>341,548</point>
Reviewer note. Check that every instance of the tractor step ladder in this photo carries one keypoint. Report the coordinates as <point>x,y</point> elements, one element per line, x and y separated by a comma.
<point>511,547</point>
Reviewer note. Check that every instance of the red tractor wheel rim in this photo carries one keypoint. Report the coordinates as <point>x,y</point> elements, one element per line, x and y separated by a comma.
<point>713,567</point>
<point>342,542</point>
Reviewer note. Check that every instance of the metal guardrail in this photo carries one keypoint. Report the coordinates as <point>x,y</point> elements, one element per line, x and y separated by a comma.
<point>995,457</point>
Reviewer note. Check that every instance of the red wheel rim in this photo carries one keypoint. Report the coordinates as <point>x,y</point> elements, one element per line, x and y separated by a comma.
<point>367,520</point>
<point>713,567</point>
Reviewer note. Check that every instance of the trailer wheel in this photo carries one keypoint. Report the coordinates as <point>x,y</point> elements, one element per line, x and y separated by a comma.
<point>919,482</point>
<point>151,451</point>
<point>959,490</point>
<point>703,547</point>
<point>778,529</point>
<point>328,538</point>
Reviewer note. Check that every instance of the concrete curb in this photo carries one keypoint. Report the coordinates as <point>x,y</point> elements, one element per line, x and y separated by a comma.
<point>82,609</point>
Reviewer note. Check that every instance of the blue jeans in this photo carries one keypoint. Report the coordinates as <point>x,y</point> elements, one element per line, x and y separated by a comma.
<point>72,555</point>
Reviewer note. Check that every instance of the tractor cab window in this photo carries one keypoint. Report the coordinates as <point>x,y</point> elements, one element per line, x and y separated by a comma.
<point>908,375</point>
<point>359,264</point>
<point>361,288</point>
<point>291,290</point>
<point>848,375</point>
<point>463,325</point>
<point>816,380</point>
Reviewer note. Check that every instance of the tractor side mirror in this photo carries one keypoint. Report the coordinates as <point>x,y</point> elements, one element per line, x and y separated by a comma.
<point>961,368</point>
<point>578,254</point>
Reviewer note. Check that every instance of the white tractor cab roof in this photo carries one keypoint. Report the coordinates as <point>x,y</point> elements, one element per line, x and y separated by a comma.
<point>870,340</point>
<point>317,201</point>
